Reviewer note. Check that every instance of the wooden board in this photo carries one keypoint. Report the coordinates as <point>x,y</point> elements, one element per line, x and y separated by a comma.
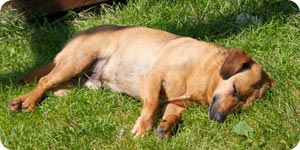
<point>46,7</point>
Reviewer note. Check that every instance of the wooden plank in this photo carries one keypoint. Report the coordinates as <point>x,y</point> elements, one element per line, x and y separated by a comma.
<point>46,7</point>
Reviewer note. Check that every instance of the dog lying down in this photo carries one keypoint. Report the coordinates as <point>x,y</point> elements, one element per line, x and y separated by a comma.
<point>155,66</point>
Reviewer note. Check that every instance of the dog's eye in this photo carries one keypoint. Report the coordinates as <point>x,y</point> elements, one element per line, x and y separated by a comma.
<point>234,92</point>
<point>214,99</point>
<point>245,65</point>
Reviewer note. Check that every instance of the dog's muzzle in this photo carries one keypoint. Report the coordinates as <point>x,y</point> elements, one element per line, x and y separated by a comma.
<point>213,112</point>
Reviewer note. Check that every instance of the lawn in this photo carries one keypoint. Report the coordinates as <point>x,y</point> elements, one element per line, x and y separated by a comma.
<point>88,119</point>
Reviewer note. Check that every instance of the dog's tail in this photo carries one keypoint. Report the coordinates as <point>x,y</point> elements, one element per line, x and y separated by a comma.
<point>36,74</point>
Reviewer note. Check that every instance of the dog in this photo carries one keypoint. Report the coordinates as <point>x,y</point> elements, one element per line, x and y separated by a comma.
<point>158,67</point>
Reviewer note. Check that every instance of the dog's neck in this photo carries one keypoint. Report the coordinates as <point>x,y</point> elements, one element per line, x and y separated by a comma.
<point>222,50</point>
<point>203,97</point>
<point>212,85</point>
<point>204,94</point>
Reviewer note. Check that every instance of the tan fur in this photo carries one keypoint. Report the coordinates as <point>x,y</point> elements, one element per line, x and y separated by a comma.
<point>156,67</point>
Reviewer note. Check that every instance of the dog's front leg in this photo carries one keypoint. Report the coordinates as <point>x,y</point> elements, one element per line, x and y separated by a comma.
<point>171,115</point>
<point>150,88</point>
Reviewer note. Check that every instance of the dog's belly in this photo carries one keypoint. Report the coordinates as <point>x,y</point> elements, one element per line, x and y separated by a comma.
<point>125,76</point>
<point>121,73</point>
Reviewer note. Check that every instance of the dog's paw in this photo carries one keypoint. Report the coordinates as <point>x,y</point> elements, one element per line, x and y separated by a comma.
<point>23,103</point>
<point>163,133</point>
<point>137,132</point>
<point>14,105</point>
<point>141,127</point>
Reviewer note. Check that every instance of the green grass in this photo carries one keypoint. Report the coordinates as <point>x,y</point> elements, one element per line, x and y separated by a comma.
<point>87,119</point>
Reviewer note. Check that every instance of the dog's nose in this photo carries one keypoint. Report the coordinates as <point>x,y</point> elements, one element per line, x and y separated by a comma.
<point>219,117</point>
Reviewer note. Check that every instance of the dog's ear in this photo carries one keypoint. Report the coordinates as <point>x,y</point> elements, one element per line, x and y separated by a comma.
<point>235,61</point>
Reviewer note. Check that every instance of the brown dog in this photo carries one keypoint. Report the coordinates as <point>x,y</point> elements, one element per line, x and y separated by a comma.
<point>156,67</point>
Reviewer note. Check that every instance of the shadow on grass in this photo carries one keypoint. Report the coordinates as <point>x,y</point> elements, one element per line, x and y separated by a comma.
<point>50,33</point>
<point>48,36</point>
<point>225,25</point>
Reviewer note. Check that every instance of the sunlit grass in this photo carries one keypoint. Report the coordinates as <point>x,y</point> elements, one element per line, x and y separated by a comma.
<point>88,119</point>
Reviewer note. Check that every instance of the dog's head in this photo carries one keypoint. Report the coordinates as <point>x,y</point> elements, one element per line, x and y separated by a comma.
<point>242,81</point>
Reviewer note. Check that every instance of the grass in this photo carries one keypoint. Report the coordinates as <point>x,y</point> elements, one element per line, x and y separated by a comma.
<point>87,119</point>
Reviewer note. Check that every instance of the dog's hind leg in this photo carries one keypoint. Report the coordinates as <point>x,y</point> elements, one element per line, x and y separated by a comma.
<point>66,67</point>
<point>59,90</point>
<point>66,87</point>
<point>36,74</point>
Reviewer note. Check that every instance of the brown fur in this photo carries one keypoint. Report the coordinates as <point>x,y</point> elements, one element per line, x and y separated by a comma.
<point>156,67</point>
